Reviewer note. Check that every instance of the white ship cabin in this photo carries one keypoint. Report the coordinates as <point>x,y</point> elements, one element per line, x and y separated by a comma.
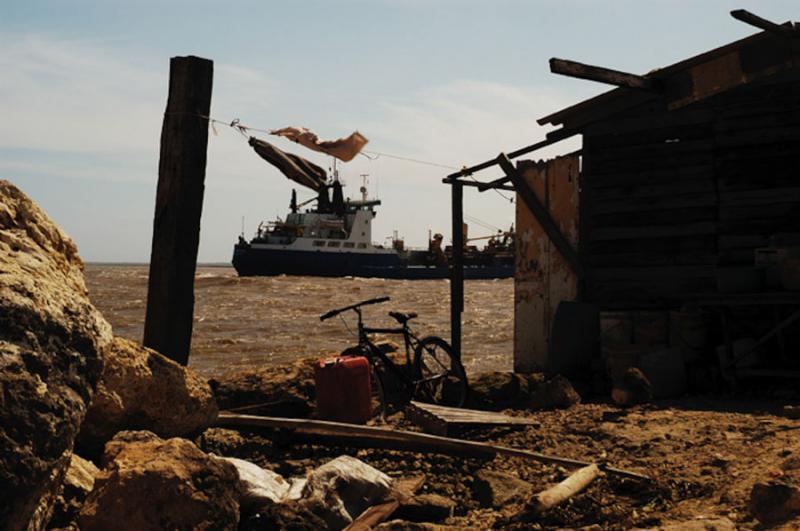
<point>337,226</point>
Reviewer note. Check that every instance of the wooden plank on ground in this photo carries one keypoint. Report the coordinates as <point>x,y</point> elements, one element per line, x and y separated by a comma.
<point>442,420</point>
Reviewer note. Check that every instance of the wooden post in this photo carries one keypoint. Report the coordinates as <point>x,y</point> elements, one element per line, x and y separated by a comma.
<point>179,203</point>
<point>457,268</point>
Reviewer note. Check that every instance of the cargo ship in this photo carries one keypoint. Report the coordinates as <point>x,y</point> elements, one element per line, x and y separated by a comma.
<point>333,238</point>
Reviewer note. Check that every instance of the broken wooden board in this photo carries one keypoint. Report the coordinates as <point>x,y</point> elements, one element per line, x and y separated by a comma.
<point>445,421</point>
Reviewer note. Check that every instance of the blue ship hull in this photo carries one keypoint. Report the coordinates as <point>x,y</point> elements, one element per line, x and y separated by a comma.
<point>249,261</point>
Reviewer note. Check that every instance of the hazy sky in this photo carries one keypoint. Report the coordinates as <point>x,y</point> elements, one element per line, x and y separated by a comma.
<point>84,84</point>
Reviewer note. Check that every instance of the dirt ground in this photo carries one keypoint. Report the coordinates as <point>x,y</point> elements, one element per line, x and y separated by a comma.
<point>704,455</point>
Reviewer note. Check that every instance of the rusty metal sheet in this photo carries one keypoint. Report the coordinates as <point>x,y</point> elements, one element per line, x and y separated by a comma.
<point>543,278</point>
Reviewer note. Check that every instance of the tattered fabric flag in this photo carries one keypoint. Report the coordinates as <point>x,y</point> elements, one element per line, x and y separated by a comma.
<point>295,168</point>
<point>344,149</point>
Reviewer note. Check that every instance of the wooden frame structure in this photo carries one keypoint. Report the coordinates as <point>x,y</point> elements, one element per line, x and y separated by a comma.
<point>770,56</point>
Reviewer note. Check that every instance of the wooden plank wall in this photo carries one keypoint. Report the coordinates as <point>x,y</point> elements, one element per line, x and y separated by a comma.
<point>669,196</point>
<point>542,277</point>
<point>757,141</point>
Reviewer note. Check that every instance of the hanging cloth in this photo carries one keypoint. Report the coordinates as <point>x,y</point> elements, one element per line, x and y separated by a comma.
<point>344,149</point>
<point>295,168</point>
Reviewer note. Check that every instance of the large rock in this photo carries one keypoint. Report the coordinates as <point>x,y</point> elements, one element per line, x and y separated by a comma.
<point>497,489</point>
<point>774,502</point>
<point>425,508</point>
<point>504,390</point>
<point>151,483</point>
<point>51,343</point>
<point>281,391</point>
<point>140,389</point>
<point>78,483</point>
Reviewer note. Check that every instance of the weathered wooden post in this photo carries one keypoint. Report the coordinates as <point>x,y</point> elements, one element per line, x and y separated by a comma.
<point>457,268</point>
<point>179,203</point>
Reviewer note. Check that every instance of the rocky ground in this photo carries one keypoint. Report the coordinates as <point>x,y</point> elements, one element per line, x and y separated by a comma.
<point>704,454</point>
<point>98,432</point>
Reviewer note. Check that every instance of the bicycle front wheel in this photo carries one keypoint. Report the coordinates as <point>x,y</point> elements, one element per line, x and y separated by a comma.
<point>439,377</point>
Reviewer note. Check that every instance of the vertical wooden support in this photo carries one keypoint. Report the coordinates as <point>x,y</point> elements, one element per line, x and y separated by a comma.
<point>179,203</point>
<point>457,268</point>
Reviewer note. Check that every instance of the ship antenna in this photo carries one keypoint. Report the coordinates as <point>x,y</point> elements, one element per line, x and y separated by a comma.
<point>364,186</point>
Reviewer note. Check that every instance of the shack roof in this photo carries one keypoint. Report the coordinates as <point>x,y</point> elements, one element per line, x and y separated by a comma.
<point>767,54</point>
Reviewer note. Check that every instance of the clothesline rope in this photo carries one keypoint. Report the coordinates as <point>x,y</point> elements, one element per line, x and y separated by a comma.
<point>244,129</point>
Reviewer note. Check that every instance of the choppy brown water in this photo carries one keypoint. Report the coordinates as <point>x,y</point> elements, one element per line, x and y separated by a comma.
<point>244,322</point>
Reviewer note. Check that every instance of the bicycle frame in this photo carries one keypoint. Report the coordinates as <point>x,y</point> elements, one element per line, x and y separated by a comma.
<point>409,340</point>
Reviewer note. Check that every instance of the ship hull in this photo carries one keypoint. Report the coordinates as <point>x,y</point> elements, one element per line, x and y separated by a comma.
<point>251,261</point>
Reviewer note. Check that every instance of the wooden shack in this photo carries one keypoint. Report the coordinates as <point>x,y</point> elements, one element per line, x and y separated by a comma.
<point>688,196</point>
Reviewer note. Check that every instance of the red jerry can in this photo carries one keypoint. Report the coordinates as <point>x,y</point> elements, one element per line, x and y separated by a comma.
<point>343,389</point>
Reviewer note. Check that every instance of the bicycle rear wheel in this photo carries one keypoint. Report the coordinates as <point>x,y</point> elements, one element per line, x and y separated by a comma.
<point>439,376</point>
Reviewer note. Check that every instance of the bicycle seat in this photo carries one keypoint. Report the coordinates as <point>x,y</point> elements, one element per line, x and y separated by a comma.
<point>401,317</point>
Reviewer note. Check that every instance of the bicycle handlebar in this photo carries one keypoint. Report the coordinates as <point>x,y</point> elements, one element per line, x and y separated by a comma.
<point>336,312</point>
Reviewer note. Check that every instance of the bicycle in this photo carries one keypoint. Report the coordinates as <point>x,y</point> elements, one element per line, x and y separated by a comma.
<point>435,376</point>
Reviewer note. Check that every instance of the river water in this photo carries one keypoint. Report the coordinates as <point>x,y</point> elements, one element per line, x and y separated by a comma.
<point>251,321</point>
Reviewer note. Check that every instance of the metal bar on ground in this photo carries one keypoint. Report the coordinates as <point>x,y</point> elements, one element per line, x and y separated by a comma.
<point>542,215</point>
<point>179,204</point>
<point>603,75</point>
<point>457,268</point>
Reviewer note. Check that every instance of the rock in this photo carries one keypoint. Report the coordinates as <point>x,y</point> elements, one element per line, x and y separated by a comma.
<point>260,487</point>
<point>51,343</point>
<point>699,524</point>
<point>78,483</point>
<point>791,412</point>
<point>555,393</point>
<point>497,489</point>
<point>425,508</point>
<point>774,502</point>
<point>281,391</point>
<point>151,483</point>
<point>341,489</point>
<point>294,516</point>
<point>499,390</point>
<point>140,389</point>
<point>634,388</point>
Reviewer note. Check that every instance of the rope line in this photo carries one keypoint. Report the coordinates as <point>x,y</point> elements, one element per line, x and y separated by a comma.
<point>370,155</point>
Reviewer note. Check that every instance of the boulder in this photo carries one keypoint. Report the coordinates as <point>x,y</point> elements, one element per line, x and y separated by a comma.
<point>633,388</point>
<point>698,524</point>
<point>139,389</point>
<point>497,489</point>
<point>554,393</point>
<point>280,391</point>
<point>78,483</point>
<point>498,390</point>
<point>425,508</point>
<point>294,516</point>
<point>51,344</point>
<point>150,483</point>
<point>495,391</point>
<point>774,502</point>
<point>342,489</point>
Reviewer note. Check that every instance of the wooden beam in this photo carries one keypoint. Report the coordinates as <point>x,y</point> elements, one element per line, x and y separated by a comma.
<point>552,138</point>
<point>767,25</point>
<point>179,204</point>
<point>367,436</point>
<point>542,215</point>
<point>457,268</point>
<point>603,75</point>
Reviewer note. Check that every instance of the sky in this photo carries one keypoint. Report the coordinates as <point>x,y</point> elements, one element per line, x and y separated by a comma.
<point>451,82</point>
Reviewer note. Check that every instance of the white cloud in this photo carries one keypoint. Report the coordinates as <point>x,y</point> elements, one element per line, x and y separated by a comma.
<point>79,109</point>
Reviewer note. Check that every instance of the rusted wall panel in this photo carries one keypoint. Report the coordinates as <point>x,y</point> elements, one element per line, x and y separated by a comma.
<point>543,278</point>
